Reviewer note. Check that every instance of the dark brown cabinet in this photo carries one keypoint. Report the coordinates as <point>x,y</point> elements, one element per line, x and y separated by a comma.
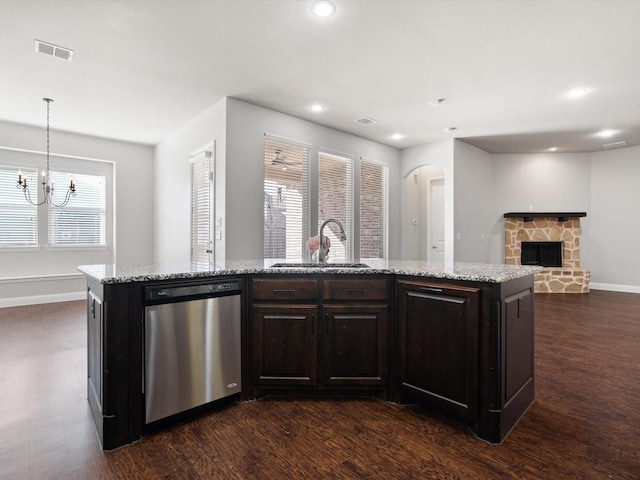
<point>438,345</point>
<point>465,347</point>
<point>322,333</point>
<point>283,332</point>
<point>356,332</point>
<point>284,345</point>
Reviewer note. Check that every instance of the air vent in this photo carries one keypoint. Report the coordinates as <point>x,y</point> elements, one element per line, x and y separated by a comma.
<point>365,121</point>
<point>53,50</point>
<point>621,144</point>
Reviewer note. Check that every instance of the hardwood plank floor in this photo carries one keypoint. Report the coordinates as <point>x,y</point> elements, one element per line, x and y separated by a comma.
<point>585,423</point>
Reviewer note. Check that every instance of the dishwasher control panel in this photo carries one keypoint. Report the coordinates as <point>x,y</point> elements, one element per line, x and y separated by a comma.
<point>174,292</point>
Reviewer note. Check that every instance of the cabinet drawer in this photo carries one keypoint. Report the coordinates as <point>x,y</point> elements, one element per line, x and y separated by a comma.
<point>355,289</point>
<point>274,289</point>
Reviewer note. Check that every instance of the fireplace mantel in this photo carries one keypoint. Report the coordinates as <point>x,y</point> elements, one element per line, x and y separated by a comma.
<point>529,216</point>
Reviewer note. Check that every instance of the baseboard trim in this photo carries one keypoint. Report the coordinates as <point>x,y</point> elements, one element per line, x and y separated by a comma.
<point>612,287</point>
<point>42,278</point>
<point>39,299</point>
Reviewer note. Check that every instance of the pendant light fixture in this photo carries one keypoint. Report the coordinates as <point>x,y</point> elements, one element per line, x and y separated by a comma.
<point>46,180</point>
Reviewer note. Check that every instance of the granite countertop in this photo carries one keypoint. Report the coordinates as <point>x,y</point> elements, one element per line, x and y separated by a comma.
<point>475,272</point>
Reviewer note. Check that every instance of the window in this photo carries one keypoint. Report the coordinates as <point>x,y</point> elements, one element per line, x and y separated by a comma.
<point>335,200</point>
<point>285,199</point>
<point>373,210</point>
<point>289,203</point>
<point>83,221</point>
<point>18,218</point>
<point>202,196</point>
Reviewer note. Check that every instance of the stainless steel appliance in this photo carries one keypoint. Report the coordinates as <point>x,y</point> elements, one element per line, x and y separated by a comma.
<point>192,346</point>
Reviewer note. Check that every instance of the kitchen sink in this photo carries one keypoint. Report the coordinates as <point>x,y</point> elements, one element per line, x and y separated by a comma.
<point>319,265</point>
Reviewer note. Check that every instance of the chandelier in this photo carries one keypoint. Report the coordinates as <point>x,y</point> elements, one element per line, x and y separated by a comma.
<point>46,181</point>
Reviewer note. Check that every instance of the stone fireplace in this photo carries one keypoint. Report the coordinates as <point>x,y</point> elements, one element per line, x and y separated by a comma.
<point>541,232</point>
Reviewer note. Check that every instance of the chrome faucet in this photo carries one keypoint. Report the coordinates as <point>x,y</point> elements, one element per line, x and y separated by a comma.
<point>322,251</point>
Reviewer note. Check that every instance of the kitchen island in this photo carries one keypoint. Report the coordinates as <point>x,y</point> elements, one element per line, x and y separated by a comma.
<point>458,339</point>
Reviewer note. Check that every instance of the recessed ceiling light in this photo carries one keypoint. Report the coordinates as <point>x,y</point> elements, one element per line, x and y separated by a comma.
<point>450,129</point>
<point>606,133</point>
<point>316,107</point>
<point>323,8</point>
<point>578,92</point>
<point>552,149</point>
<point>397,136</point>
<point>437,103</point>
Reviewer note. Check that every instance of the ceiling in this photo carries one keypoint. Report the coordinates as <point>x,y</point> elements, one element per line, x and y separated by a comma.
<point>142,69</point>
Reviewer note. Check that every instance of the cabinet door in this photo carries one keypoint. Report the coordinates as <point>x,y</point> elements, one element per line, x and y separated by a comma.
<point>517,350</point>
<point>355,345</point>
<point>284,345</point>
<point>438,345</point>
<point>95,325</point>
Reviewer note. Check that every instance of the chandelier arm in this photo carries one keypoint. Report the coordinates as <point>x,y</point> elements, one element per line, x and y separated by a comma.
<point>67,197</point>
<point>27,196</point>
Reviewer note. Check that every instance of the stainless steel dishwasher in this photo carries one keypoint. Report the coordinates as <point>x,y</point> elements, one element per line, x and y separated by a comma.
<point>192,346</point>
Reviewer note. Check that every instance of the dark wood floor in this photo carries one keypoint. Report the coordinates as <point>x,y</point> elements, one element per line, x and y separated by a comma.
<point>585,423</point>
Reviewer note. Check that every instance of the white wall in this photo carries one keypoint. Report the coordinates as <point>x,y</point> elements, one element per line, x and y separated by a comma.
<point>55,276</point>
<point>246,126</point>
<point>602,184</point>
<point>239,130</point>
<point>474,211</point>
<point>438,154</point>
<point>614,228</point>
<point>172,176</point>
<point>549,182</point>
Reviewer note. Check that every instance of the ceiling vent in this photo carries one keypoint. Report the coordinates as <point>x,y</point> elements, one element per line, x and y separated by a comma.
<point>365,121</point>
<point>608,146</point>
<point>53,50</point>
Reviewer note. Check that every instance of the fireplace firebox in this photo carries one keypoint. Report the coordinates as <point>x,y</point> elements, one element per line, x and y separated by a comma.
<point>546,254</point>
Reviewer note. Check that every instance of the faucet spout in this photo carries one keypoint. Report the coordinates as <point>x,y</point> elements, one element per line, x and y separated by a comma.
<point>322,252</point>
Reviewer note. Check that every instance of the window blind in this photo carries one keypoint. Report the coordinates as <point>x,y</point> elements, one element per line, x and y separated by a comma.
<point>335,200</point>
<point>83,221</point>
<point>202,211</point>
<point>285,199</point>
<point>18,218</point>
<point>374,207</point>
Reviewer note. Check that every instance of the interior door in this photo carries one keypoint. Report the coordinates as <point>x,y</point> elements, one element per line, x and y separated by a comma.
<point>435,221</point>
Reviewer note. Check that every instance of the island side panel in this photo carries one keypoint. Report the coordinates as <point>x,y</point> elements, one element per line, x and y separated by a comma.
<point>507,372</point>
<point>115,362</point>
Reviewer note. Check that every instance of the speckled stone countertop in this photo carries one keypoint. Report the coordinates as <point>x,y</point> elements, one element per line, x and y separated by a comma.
<point>475,272</point>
